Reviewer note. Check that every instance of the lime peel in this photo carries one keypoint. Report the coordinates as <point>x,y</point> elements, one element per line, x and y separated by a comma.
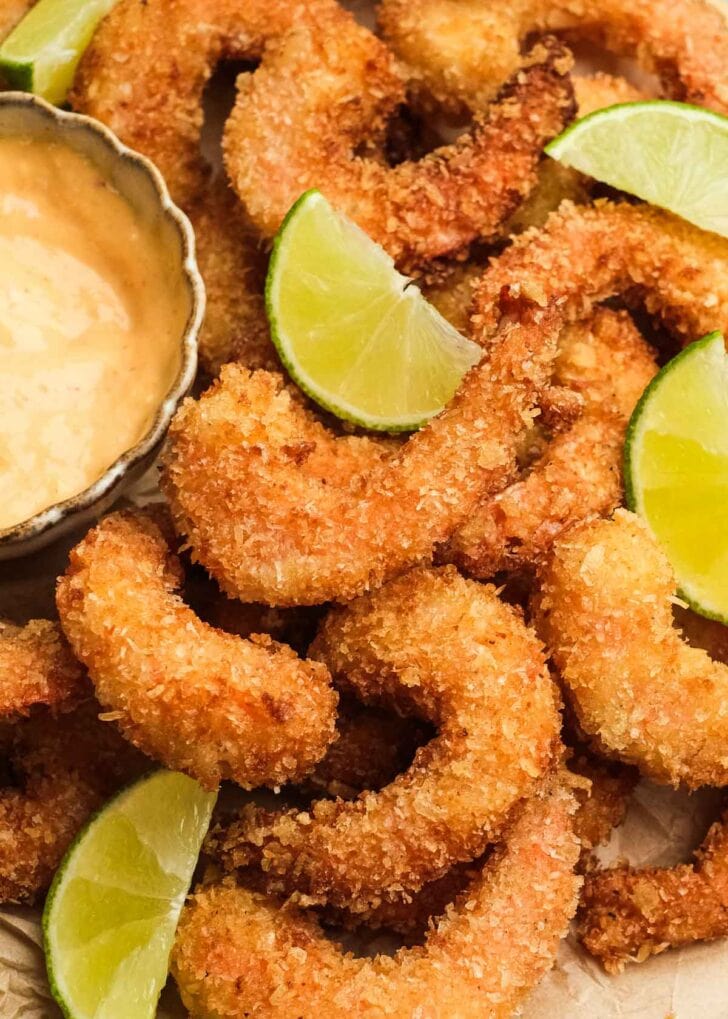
<point>676,470</point>
<point>42,52</point>
<point>113,907</point>
<point>354,333</point>
<point>670,154</point>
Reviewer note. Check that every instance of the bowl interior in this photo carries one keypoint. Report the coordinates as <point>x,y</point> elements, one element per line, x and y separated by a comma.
<point>139,183</point>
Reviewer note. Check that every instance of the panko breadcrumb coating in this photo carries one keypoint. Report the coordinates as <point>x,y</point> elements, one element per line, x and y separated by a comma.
<point>206,702</point>
<point>281,511</point>
<point>271,502</point>
<point>603,806</point>
<point>37,668</point>
<point>11,13</point>
<point>627,915</point>
<point>299,122</point>
<point>643,695</point>
<point>64,767</point>
<point>465,662</point>
<point>607,363</point>
<point>461,50</point>
<point>585,255</point>
<point>239,953</point>
<point>144,74</point>
<point>233,264</point>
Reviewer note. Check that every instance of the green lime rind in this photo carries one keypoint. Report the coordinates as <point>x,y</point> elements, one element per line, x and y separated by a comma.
<point>18,76</point>
<point>42,52</point>
<point>670,154</point>
<point>352,331</point>
<point>676,470</point>
<point>113,907</point>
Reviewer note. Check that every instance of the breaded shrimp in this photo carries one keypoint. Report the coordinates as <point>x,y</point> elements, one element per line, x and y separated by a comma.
<point>10,14</point>
<point>586,255</point>
<point>627,915</point>
<point>144,74</point>
<point>608,364</point>
<point>603,806</point>
<point>200,700</point>
<point>461,50</point>
<point>463,661</point>
<point>638,690</point>
<point>238,953</point>
<point>281,511</point>
<point>300,119</point>
<point>37,668</point>
<point>233,265</point>
<point>278,511</point>
<point>65,767</point>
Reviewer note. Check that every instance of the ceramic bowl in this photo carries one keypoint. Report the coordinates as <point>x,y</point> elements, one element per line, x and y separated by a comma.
<point>139,182</point>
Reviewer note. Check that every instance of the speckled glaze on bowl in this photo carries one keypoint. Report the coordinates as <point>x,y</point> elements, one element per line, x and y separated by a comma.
<point>139,182</point>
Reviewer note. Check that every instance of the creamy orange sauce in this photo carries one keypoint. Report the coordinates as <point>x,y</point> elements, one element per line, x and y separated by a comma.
<point>89,326</point>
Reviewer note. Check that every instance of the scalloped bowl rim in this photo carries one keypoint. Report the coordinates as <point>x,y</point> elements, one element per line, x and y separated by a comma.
<point>46,520</point>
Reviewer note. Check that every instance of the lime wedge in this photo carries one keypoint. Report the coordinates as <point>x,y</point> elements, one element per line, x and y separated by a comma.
<point>354,333</point>
<point>671,154</point>
<point>42,52</point>
<point>676,470</point>
<point>112,910</point>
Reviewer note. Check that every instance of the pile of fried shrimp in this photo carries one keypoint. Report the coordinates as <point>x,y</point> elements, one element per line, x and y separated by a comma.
<point>446,659</point>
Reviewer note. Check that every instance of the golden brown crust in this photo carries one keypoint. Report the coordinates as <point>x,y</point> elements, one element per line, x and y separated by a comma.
<point>206,702</point>
<point>65,767</point>
<point>371,748</point>
<point>627,915</point>
<point>465,662</point>
<point>605,361</point>
<point>11,13</point>
<point>641,693</point>
<point>144,74</point>
<point>584,256</point>
<point>239,952</point>
<point>37,668</point>
<point>295,126</point>
<point>603,806</point>
<point>461,50</point>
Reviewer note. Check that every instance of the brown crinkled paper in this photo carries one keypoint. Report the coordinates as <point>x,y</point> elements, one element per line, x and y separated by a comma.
<point>662,828</point>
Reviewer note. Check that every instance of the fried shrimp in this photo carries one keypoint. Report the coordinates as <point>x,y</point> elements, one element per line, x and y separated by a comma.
<point>209,703</point>
<point>583,256</point>
<point>11,13</point>
<point>281,511</point>
<point>461,50</point>
<point>64,768</point>
<point>301,119</point>
<point>371,748</point>
<point>144,75</point>
<point>464,662</point>
<point>37,668</point>
<point>237,953</point>
<point>603,806</point>
<point>627,915</point>
<point>639,691</point>
<point>607,363</point>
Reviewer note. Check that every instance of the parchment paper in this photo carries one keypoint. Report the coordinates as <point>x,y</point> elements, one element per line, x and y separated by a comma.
<point>662,828</point>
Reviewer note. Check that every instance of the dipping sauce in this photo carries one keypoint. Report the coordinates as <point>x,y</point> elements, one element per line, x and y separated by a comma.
<point>89,327</point>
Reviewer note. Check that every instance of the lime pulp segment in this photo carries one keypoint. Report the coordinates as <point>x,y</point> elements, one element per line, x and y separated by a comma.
<point>113,908</point>
<point>676,470</point>
<point>353,332</point>
<point>670,154</point>
<point>42,52</point>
